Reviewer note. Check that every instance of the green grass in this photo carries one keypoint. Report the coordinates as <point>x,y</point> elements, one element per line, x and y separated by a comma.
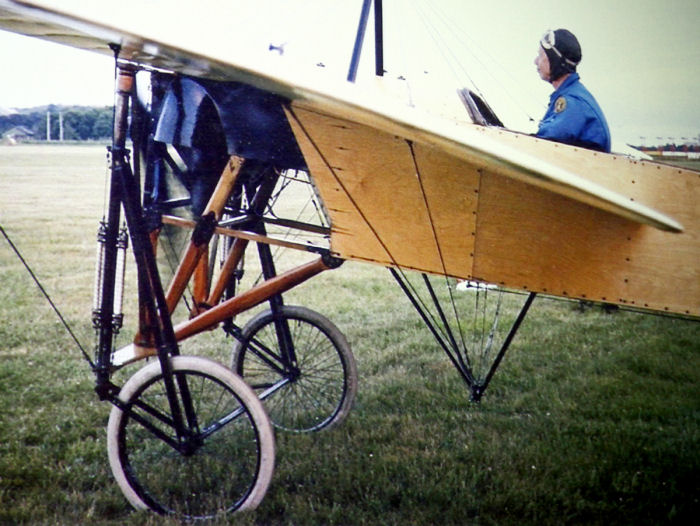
<point>591,419</point>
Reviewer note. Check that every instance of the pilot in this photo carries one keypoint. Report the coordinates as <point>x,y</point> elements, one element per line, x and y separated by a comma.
<point>573,116</point>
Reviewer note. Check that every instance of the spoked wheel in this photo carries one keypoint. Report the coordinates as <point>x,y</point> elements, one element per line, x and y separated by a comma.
<point>223,463</point>
<point>312,390</point>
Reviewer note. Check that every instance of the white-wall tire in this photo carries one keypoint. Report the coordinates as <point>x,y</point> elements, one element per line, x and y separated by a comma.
<point>138,470</point>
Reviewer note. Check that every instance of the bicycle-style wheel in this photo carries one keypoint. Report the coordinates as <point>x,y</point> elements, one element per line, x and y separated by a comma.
<point>224,461</point>
<point>314,391</point>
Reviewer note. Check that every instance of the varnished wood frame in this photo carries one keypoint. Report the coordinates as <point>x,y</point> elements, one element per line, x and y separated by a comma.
<point>209,310</point>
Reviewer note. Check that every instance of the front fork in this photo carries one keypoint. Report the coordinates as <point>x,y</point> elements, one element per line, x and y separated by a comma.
<point>124,192</point>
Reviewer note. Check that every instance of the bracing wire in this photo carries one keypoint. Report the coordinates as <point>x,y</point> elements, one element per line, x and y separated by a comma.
<point>483,51</point>
<point>48,298</point>
<point>172,255</point>
<point>290,234</point>
<point>440,330</point>
<point>440,27</point>
<point>403,37</point>
<point>448,26</point>
<point>494,324</point>
<point>449,56</point>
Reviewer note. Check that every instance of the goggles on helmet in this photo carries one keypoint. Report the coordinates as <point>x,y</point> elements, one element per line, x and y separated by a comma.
<point>549,41</point>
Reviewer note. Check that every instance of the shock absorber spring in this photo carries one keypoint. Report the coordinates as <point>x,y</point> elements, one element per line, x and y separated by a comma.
<point>122,245</point>
<point>99,274</point>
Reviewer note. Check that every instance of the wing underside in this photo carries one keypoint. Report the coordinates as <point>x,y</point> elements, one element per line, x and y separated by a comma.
<point>474,202</point>
<point>149,44</point>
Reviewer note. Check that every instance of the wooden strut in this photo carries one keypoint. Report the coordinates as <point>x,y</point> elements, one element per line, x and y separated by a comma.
<point>250,298</point>
<point>231,307</point>
<point>239,234</point>
<point>195,251</point>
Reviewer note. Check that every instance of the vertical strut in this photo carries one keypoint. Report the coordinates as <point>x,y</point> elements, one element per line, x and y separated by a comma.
<point>378,38</point>
<point>109,231</point>
<point>359,39</point>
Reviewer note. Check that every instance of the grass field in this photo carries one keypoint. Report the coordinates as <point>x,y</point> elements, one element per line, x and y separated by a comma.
<point>592,418</point>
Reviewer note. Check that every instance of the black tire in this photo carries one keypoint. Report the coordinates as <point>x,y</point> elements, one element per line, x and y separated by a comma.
<point>322,385</point>
<point>228,469</point>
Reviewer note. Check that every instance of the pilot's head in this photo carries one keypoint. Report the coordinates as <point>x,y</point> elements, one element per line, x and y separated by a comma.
<point>559,54</point>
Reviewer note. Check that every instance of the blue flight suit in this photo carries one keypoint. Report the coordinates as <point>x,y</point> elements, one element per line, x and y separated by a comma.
<point>574,117</point>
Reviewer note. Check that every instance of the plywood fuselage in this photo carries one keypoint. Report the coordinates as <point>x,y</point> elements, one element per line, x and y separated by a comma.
<point>394,200</point>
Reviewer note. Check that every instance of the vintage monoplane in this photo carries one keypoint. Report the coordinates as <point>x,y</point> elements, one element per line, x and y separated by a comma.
<point>465,205</point>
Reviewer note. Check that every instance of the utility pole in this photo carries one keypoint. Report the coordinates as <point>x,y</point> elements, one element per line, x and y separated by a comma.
<point>60,126</point>
<point>48,126</point>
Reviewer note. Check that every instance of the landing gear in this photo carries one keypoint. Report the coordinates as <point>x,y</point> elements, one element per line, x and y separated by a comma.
<point>221,461</point>
<point>301,365</point>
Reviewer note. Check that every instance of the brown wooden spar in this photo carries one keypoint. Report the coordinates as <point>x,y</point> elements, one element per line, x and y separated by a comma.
<point>197,248</point>
<point>231,307</point>
<point>250,298</point>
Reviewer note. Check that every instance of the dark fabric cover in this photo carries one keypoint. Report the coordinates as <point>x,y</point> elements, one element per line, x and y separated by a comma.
<point>252,121</point>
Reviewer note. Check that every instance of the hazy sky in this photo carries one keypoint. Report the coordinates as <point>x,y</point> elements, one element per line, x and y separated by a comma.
<point>641,59</point>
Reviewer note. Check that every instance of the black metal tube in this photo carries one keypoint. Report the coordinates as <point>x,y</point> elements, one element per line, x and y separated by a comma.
<point>359,39</point>
<point>267,263</point>
<point>154,296</point>
<point>506,344</point>
<point>111,234</point>
<point>378,38</point>
<point>465,374</point>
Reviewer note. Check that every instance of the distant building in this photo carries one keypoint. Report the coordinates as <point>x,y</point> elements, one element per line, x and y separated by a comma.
<point>4,112</point>
<point>687,149</point>
<point>17,134</point>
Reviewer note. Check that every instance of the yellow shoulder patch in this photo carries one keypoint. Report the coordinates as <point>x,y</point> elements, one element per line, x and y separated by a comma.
<point>559,105</point>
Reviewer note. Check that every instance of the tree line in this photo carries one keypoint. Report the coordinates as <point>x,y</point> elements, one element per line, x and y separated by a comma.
<point>80,123</point>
